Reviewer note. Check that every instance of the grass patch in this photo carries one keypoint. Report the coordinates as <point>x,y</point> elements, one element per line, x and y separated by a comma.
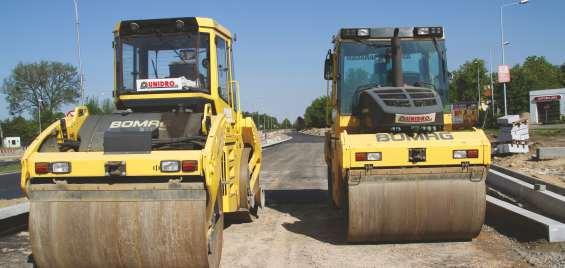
<point>547,131</point>
<point>11,167</point>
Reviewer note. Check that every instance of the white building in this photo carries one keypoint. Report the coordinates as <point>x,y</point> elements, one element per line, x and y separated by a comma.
<point>11,142</point>
<point>547,106</point>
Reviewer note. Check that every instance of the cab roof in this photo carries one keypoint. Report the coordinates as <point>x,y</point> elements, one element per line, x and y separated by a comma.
<point>388,32</point>
<point>168,25</point>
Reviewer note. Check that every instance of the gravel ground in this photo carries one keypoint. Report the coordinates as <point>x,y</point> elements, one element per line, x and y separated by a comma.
<point>298,229</point>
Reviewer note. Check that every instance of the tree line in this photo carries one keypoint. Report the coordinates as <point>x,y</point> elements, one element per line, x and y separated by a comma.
<point>535,73</point>
<point>36,92</point>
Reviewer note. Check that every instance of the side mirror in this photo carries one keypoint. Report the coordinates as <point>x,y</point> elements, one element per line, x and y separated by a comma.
<point>328,67</point>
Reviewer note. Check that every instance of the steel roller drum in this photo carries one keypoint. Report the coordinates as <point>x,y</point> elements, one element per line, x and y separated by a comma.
<point>422,204</point>
<point>123,228</point>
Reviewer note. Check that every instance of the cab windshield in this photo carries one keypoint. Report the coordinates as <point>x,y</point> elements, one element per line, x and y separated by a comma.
<point>177,62</point>
<point>369,63</point>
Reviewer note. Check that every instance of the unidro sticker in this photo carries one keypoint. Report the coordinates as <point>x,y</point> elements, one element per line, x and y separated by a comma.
<point>157,84</point>
<point>415,118</point>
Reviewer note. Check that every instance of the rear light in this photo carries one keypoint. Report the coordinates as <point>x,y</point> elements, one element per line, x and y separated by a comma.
<point>460,154</point>
<point>373,156</point>
<point>170,166</point>
<point>472,153</point>
<point>42,168</point>
<point>360,156</point>
<point>189,165</point>
<point>61,167</point>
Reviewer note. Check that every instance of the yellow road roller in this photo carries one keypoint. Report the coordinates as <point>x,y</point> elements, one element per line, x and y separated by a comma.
<point>148,185</point>
<point>398,166</point>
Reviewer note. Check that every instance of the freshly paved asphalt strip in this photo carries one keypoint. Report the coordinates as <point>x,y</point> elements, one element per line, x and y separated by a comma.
<point>10,186</point>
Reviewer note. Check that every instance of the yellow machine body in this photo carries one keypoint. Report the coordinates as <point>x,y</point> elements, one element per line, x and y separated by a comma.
<point>393,197</point>
<point>121,208</point>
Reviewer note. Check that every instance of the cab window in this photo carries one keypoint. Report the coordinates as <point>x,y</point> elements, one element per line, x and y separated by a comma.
<point>223,67</point>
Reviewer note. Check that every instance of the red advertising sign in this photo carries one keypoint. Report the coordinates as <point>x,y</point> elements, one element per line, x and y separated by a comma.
<point>547,98</point>
<point>503,74</point>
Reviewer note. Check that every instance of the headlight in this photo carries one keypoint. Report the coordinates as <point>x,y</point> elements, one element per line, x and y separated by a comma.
<point>170,166</point>
<point>60,167</point>
<point>460,154</point>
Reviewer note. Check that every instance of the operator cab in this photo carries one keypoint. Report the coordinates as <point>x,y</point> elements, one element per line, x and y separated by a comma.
<point>170,62</point>
<point>391,79</point>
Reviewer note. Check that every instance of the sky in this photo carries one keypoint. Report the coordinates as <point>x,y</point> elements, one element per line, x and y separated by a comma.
<point>280,45</point>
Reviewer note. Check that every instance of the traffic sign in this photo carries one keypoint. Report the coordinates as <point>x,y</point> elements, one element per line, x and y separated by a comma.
<point>503,74</point>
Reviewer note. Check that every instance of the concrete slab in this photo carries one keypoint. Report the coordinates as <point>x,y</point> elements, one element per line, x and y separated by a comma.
<point>545,153</point>
<point>549,203</point>
<point>531,180</point>
<point>554,230</point>
<point>14,210</point>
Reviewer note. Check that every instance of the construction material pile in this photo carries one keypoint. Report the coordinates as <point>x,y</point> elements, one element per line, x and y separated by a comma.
<point>514,135</point>
<point>315,131</point>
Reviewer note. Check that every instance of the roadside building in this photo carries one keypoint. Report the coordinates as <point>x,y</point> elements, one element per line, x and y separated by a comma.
<point>11,142</point>
<point>547,106</point>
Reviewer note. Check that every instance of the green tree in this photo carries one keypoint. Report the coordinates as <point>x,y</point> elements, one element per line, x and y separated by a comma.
<point>562,69</point>
<point>263,121</point>
<point>96,107</point>
<point>20,127</point>
<point>534,74</point>
<point>108,106</point>
<point>463,86</point>
<point>286,124</point>
<point>318,113</point>
<point>46,84</point>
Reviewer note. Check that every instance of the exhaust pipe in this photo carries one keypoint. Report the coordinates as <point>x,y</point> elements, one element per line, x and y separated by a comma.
<point>397,76</point>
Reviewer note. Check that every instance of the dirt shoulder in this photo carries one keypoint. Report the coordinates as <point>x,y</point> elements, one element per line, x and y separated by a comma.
<point>551,171</point>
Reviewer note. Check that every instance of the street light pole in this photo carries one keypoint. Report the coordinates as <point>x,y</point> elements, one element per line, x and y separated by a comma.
<point>478,87</point>
<point>491,85</point>
<point>39,114</point>
<point>503,43</point>
<point>81,74</point>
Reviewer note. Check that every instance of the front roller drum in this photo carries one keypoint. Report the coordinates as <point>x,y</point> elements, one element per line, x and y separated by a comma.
<point>416,204</point>
<point>128,227</point>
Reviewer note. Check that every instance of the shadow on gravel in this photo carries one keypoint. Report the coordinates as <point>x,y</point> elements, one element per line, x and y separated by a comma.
<point>315,218</point>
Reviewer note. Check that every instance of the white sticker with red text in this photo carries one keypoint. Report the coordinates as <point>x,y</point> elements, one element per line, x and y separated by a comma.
<point>159,84</point>
<point>415,118</point>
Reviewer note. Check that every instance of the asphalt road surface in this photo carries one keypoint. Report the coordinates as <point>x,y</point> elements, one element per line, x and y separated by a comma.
<point>10,186</point>
<point>299,229</point>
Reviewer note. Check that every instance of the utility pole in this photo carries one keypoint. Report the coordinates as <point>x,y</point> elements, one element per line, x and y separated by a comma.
<point>81,71</point>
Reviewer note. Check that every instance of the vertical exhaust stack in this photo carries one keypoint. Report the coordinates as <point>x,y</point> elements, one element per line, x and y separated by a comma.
<point>397,60</point>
